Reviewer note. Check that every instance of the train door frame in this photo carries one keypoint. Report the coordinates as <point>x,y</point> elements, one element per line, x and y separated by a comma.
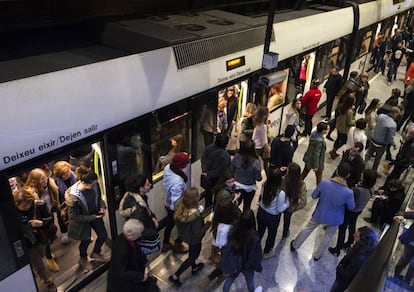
<point>16,259</point>
<point>54,156</point>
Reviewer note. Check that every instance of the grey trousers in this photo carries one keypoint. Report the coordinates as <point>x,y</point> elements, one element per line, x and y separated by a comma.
<point>323,239</point>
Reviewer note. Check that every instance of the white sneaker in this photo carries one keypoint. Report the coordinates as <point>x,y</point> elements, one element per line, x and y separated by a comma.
<point>258,289</point>
<point>65,238</point>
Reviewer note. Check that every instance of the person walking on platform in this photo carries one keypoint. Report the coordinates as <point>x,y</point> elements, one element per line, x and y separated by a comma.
<point>382,136</point>
<point>247,171</point>
<point>260,136</point>
<point>127,270</point>
<point>357,134</point>
<point>281,150</point>
<point>174,183</point>
<point>334,196</point>
<point>362,194</point>
<point>86,212</point>
<point>214,161</point>
<point>405,157</point>
<point>332,87</point>
<point>293,118</point>
<point>347,90</point>
<point>407,256</point>
<point>191,229</point>
<point>310,100</point>
<point>344,121</point>
<point>226,214</point>
<point>243,253</point>
<point>353,157</point>
<point>271,206</point>
<point>295,189</point>
<point>366,241</point>
<point>314,157</point>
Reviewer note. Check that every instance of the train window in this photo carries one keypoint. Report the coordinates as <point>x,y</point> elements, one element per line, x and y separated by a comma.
<point>166,140</point>
<point>365,42</point>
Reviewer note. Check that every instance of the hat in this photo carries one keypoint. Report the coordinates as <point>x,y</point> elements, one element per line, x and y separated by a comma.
<point>180,160</point>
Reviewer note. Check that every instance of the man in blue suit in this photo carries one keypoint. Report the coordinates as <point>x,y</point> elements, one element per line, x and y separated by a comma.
<point>334,196</point>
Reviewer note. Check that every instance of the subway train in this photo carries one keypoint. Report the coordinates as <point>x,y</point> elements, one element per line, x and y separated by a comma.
<point>117,107</point>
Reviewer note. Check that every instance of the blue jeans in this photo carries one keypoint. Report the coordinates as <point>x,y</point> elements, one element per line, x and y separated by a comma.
<point>248,275</point>
<point>271,222</point>
<point>99,227</point>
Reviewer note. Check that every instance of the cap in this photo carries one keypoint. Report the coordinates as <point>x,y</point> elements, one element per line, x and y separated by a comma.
<point>180,160</point>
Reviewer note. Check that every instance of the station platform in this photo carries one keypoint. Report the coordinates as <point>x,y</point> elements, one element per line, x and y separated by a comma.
<point>286,271</point>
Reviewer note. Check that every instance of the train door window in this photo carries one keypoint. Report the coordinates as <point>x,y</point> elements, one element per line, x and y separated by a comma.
<point>366,36</point>
<point>48,183</point>
<point>277,92</point>
<point>170,134</point>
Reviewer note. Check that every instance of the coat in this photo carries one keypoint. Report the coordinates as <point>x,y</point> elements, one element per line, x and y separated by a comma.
<point>127,268</point>
<point>191,228</point>
<point>334,196</point>
<point>315,154</point>
<point>135,206</point>
<point>79,217</point>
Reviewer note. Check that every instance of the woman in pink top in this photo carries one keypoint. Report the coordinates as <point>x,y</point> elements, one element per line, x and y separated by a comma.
<point>310,100</point>
<point>260,136</point>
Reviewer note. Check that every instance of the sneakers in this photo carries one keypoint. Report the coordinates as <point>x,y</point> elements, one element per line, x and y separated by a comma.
<point>176,282</point>
<point>334,251</point>
<point>286,235</point>
<point>84,263</point>
<point>292,248</point>
<point>98,257</point>
<point>64,239</point>
<point>333,154</point>
<point>198,267</point>
<point>52,265</point>
<point>269,254</point>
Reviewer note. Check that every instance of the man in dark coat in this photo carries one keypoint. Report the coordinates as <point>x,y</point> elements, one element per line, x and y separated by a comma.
<point>332,87</point>
<point>353,157</point>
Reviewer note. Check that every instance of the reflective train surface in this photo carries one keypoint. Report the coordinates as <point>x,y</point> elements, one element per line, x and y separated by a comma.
<point>115,106</point>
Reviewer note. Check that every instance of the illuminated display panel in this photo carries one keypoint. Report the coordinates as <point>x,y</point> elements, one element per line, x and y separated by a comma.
<point>235,63</point>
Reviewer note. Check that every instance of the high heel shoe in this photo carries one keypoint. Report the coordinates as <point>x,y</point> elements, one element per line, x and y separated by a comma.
<point>334,251</point>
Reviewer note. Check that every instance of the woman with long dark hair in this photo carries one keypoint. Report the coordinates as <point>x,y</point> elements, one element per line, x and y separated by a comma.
<point>134,204</point>
<point>226,214</point>
<point>272,203</point>
<point>371,116</point>
<point>225,189</point>
<point>247,171</point>
<point>366,241</point>
<point>243,254</point>
<point>295,189</point>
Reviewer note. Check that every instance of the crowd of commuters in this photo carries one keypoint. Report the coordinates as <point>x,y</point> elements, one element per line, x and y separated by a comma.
<point>230,185</point>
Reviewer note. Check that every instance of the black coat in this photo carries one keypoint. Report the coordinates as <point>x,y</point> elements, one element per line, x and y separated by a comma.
<point>127,268</point>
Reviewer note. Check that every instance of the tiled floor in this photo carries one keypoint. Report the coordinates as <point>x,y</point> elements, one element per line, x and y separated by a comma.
<point>286,271</point>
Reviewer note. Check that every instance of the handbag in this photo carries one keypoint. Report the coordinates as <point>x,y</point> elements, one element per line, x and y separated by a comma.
<point>204,182</point>
<point>266,151</point>
<point>149,242</point>
<point>64,213</point>
<point>215,256</point>
<point>47,233</point>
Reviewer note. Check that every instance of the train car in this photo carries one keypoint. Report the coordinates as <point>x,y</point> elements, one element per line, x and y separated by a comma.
<point>161,81</point>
